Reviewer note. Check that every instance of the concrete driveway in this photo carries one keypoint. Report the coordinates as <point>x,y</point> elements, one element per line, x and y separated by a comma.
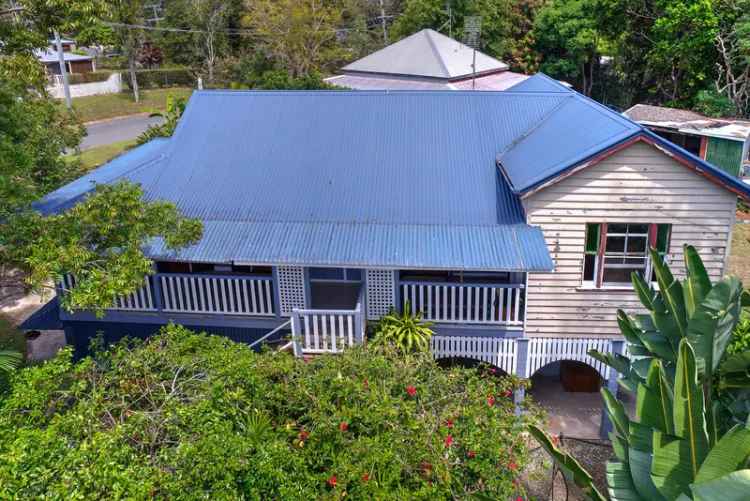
<point>117,129</point>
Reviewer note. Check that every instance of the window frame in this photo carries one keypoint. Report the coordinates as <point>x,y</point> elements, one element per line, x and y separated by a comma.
<point>599,266</point>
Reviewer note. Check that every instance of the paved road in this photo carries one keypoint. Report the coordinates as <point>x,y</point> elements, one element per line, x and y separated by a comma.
<point>117,129</point>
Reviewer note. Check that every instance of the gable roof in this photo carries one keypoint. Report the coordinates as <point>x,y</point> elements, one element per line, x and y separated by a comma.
<point>50,56</point>
<point>426,53</point>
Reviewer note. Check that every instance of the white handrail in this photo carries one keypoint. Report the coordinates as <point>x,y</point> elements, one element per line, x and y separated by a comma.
<point>234,295</point>
<point>475,303</point>
<point>277,329</point>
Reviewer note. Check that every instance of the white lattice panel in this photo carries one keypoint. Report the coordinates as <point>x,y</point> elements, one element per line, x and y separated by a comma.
<point>496,351</point>
<point>381,293</point>
<point>543,351</point>
<point>291,285</point>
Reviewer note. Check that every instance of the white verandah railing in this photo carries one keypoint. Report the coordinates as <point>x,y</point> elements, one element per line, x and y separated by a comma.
<point>233,295</point>
<point>475,303</point>
<point>499,352</point>
<point>543,351</point>
<point>327,331</point>
<point>140,300</point>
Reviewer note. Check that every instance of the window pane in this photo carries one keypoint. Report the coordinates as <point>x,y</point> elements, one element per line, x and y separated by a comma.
<point>638,228</point>
<point>637,245</point>
<point>353,274</point>
<point>619,275</point>
<point>615,244</point>
<point>589,265</point>
<point>617,228</point>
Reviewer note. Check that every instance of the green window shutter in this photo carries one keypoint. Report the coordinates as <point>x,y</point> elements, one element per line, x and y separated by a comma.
<point>592,238</point>
<point>725,154</point>
<point>662,238</point>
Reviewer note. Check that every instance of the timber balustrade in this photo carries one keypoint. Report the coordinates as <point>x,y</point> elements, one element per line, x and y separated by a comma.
<point>465,303</point>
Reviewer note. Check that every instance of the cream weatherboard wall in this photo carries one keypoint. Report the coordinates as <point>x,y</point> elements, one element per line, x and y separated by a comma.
<point>639,184</point>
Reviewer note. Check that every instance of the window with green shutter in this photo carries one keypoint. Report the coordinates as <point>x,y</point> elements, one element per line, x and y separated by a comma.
<point>614,251</point>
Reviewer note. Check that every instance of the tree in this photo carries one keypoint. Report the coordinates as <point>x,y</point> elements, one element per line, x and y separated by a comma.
<point>175,108</point>
<point>733,44</point>
<point>663,49</point>
<point>690,438</point>
<point>301,35</point>
<point>91,240</point>
<point>567,39</point>
<point>126,15</point>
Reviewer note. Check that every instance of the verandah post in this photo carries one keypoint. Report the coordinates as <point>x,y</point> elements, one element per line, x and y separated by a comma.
<point>618,347</point>
<point>522,358</point>
<point>296,334</point>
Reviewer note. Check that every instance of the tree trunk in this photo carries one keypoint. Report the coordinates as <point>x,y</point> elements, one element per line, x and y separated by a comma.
<point>133,77</point>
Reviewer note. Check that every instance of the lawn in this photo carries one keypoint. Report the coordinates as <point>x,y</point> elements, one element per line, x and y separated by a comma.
<point>98,155</point>
<point>92,108</point>
<point>739,260</point>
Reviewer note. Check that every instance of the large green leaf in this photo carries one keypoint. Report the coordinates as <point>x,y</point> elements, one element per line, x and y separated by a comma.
<point>734,372</point>
<point>618,362</point>
<point>640,473</point>
<point>9,360</point>
<point>570,468</point>
<point>670,290</point>
<point>654,399</point>
<point>697,285</point>
<point>620,484</point>
<point>628,329</point>
<point>617,414</point>
<point>671,468</point>
<point>711,326</point>
<point>653,339</point>
<point>688,411</point>
<point>734,486</point>
<point>730,453</point>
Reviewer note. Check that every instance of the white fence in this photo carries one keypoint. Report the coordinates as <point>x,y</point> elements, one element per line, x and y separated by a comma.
<point>543,351</point>
<point>496,351</point>
<point>326,331</point>
<point>496,304</point>
<point>112,85</point>
<point>217,294</point>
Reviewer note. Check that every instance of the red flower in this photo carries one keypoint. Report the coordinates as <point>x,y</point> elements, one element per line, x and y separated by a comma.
<point>303,435</point>
<point>493,370</point>
<point>519,498</point>
<point>332,481</point>
<point>411,391</point>
<point>515,482</point>
<point>448,440</point>
<point>365,477</point>
<point>555,439</point>
<point>344,426</point>
<point>365,383</point>
<point>490,400</point>
<point>513,466</point>
<point>471,454</point>
<point>448,423</point>
<point>507,393</point>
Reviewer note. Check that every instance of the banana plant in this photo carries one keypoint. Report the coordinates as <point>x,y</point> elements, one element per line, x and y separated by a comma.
<point>690,438</point>
<point>407,331</point>
<point>9,360</point>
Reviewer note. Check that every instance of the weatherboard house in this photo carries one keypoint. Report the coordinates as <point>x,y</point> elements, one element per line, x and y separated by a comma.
<point>512,220</point>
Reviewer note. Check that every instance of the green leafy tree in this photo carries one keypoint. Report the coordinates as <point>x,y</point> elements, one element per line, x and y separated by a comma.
<point>690,438</point>
<point>566,37</point>
<point>714,104</point>
<point>300,35</point>
<point>91,240</point>
<point>125,16</point>
<point>187,415</point>
<point>733,44</point>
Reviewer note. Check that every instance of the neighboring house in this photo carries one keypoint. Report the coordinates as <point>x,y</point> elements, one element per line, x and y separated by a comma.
<point>510,219</point>
<point>720,141</point>
<point>427,60</point>
<point>74,63</point>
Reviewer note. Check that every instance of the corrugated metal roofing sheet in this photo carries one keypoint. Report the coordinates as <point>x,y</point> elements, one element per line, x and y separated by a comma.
<point>426,53</point>
<point>45,318</point>
<point>494,81</point>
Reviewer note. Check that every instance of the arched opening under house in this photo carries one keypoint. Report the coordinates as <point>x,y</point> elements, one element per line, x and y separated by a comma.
<point>568,390</point>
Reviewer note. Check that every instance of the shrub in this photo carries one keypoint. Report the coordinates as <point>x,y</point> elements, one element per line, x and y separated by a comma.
<point>165,77</point>
<point>93,76</point>
<point>714,104</point>
<point>187,415</point>
<point>407,332</point>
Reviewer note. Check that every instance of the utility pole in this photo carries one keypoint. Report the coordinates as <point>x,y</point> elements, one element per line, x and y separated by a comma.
<point>63,70</point>
<point>382,21</point>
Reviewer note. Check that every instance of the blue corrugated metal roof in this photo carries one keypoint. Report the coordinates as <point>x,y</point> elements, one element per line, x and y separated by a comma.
<point>124,166</point>
<point>539,83</point>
